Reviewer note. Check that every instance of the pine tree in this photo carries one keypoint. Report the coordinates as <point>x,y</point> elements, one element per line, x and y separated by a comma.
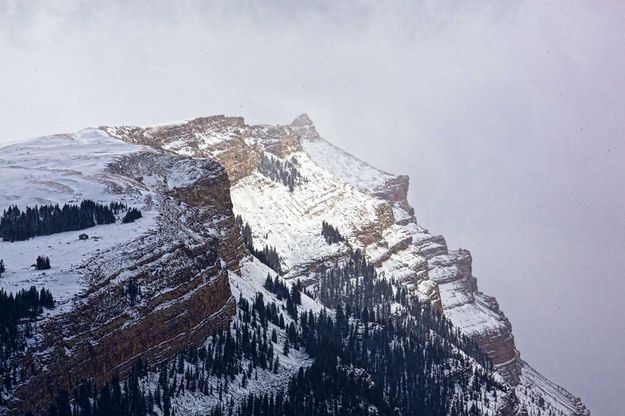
<point>42,263</point>
<point>330,233</point>
<point>132,215</point>
<point>132,290</point>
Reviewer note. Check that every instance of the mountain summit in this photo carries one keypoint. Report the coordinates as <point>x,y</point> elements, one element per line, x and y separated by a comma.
<point>304,126</point>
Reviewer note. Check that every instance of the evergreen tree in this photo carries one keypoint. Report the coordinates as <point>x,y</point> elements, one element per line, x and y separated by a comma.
<point>132,290</point>
<point>330,233</point>
<point>42,263</point>
<point>18,225</point>
<point>132,215</point>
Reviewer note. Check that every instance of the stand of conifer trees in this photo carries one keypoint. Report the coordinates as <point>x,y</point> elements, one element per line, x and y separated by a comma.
<point>278,171</point>
<point>42,263</point>
<point>367,361</point>
<point>330,233</point>
<point>132,215</point>
<point>18,225</point>
<point>24,305</point>
<point>268,255</point>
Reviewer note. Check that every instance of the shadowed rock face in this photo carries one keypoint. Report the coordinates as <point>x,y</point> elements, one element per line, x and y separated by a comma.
<point>180,268</point>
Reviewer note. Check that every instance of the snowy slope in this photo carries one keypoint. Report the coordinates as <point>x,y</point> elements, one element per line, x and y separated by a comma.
<point>291,221</point>
<point>62,168</point>
<point>344,166</point>
<point>66,169</point>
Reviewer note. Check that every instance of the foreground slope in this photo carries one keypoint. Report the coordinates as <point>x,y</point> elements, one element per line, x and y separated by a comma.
<point>287,180</point>
<point>177,255</point>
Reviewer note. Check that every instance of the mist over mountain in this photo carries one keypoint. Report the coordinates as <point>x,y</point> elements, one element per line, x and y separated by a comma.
<point>505,117</point>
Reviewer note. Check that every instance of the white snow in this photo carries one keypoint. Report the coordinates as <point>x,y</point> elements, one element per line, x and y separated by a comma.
<point>66,169</point>
<point>291,221</point>
<point>60,169</point>
<point>344,166</point>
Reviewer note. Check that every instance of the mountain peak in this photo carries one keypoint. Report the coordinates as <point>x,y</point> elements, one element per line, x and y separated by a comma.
<point>302,120</point>
<point>303,126</point>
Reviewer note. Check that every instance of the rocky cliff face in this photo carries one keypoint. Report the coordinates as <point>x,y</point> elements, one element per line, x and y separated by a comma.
<point>179,260</point>
<point>370,208</point>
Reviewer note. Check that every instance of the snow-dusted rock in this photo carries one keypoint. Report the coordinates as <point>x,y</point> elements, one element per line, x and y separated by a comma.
<point>187,256</point>
<point>368,207</point>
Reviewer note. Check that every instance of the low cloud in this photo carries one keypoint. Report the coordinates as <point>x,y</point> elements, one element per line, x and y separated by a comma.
<point>508,118</point>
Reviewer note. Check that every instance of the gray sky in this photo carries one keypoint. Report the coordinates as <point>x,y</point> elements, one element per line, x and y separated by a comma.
<point>508,118</point>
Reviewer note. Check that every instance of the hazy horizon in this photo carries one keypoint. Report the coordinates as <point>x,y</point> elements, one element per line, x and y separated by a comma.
<point>507,118</point>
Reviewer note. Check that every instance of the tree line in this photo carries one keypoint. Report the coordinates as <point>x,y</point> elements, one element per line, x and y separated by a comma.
<point>14,309</point>
<point>268,255</point>
<point>284,172</point>
<point>19,225</point>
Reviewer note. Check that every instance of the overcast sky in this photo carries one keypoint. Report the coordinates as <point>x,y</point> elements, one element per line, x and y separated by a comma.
<point>508,117</point>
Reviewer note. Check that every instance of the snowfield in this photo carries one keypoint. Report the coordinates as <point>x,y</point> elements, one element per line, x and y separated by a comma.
<point>63,168</point>
<point>67,169</point>
<point>68,255</point>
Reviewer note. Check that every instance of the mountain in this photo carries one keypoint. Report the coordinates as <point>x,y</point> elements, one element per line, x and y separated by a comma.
<point>216,197</point>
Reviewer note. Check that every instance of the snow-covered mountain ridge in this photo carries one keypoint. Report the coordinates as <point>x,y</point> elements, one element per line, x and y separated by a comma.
<point>369,207</point>
<point>186,255</point>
